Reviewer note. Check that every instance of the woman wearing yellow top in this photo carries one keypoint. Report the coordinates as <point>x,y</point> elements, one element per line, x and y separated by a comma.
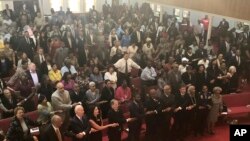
<point>55,74</point>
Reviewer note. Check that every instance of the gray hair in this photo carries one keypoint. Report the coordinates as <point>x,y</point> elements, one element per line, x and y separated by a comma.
<point>217,89</point>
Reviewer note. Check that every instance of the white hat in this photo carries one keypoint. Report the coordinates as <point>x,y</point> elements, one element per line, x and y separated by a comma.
<point>184,59</point>
<point>91,84</point>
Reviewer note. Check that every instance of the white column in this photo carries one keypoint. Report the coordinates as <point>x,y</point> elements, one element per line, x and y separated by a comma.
<point>40,2</point>
<point>161,13</point>
<point>209,31</point>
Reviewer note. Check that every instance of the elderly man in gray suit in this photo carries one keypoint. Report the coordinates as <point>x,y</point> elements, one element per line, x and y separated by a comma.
<point>61,101</point>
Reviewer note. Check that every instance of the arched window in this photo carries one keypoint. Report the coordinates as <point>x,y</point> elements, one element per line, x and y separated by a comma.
<point>56,4</point>
<point>74,5</point>
<point>89,4</point>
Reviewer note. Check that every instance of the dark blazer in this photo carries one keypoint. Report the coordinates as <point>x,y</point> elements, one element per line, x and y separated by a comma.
<point>200,53</point>
<point>26,47</point>
<point>43,69</point>
<point>11,16</point>
<point>173,81</point>
<point>76,126</point>
<point>15,132</point>
<point>49,134</point>
<point>5,67</point>
<point>205,99</point>
<point>114,133</point>
<point>73,43</point>
<point>8,105</point>
<point>80,97</point>
<point>30,77</point>
<point>81,56</point>
<point>188,78</point>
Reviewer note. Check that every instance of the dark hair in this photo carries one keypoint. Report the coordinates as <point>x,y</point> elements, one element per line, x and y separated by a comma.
<point>41,99</point>
<point>18,109</point>
<point>91,112</point>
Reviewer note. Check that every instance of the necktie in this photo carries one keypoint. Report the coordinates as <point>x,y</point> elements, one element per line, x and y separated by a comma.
<point>58,134</point>
<point>126,67</point>
<point>28,41</point>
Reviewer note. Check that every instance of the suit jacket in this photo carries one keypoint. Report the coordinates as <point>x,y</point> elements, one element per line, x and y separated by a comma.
<point>205,99</point>
<point>174,81</point>
<point>49,134</point>
<point>168,101</point>
<point>76,126</point>
<point>5,67</point>
<point>67,44</point>
<point>200,53</point>
<point>43,69</point>
<point>8,105</point>
<point>26,47</point>
<point>188,79</point>
<point>77,97</point>
<point>30,77</point>
<point>61,102</point>
<point>153,120</point>
<point>37,60</point>
<point>11,16</point>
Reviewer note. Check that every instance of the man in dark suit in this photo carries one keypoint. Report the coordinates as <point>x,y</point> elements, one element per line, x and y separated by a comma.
<point>81,56</point>
<point>77,96</point>
<point>39,58</point>
<point>33,74</point>
<point>107,95</point>
<point>188,77</point>
<point>136,37</point>
<point>191,110</point>
<point>204,107</point>
<point>200,52</point>
<point>136,110</point>
<point>116,116</point>
<point>53,131</point>
<point>5,65</point>
<point>168,105</point>
<point>26,44</point>
<point>69,41</point>
<point>8,12</point>
<point>180,125</point>
<point>152,119</point>
<point>223,27</point>
<point>237,61</point>
<point>174,78</point>
<point>79,127</point>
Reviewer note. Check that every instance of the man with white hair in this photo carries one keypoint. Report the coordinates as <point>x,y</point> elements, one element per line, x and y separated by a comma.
<point>192,109</point>
<point>33,75</point>
<point>79,127</point>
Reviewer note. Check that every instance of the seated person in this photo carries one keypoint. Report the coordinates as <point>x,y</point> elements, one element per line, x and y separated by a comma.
<point>68,68</point>
<point>149,75</point>
<point>55,74</point>
<point>92,94</point>
<point>68,82</point>
<point>8,103</point>
<point>20,127</point>
<point>96,76</point>
<point>123,92</point>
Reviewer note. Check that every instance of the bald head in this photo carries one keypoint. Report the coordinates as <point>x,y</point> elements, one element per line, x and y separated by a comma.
<point>79,111</point>
<point>167,89</point>
<point>60,87</point>
<point>56,121</point>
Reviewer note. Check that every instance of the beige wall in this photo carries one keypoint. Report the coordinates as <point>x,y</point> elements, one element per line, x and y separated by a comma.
<point>239,9</point>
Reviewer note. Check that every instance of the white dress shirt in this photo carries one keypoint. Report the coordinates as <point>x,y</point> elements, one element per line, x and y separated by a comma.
<point>148,74</point>
<point>114,50</point>
<point>121,65</point>
<point>132,51</point>
<point>34,78</point>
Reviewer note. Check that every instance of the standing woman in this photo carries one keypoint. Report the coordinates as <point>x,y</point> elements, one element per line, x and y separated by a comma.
<point>97,123</point>
<point>20,127</point>
<point>215,110</point>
